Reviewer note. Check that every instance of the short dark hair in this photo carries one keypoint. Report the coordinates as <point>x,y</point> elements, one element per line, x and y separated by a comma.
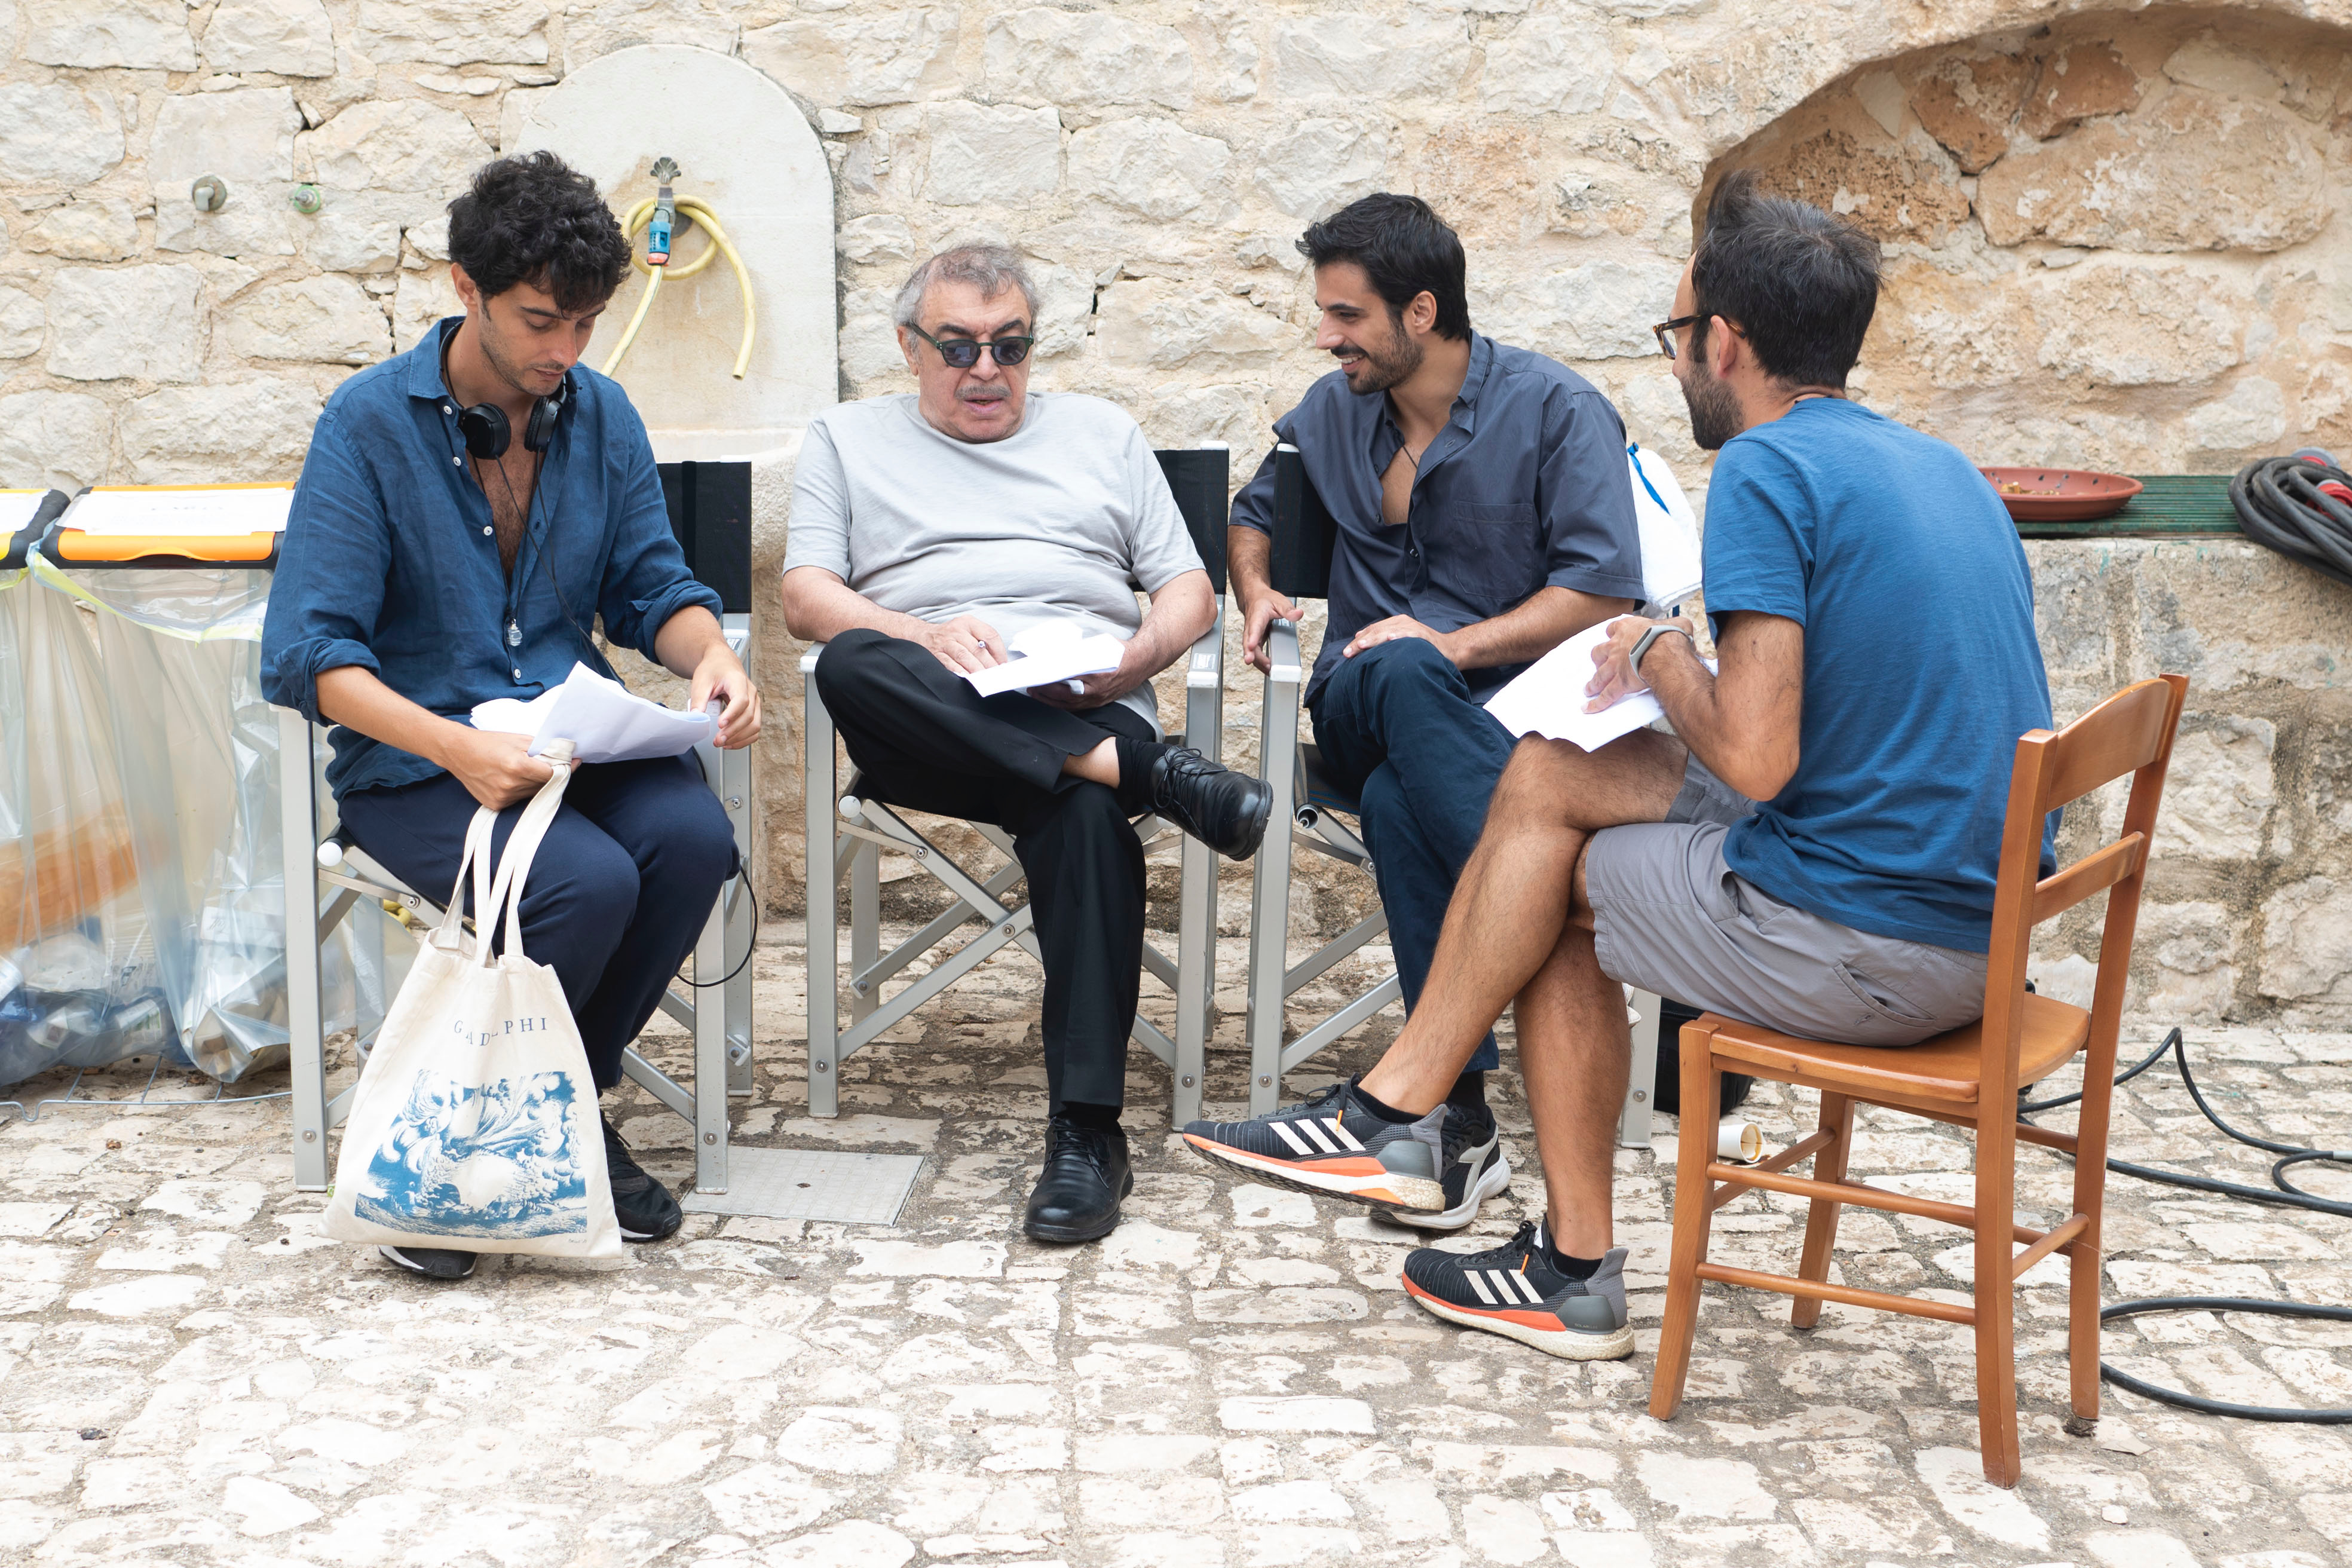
<point>1404,248</point>
<point>535,219</point>
<point>1800,285</point>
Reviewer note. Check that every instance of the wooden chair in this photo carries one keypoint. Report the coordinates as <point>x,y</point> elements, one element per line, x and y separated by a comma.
<point>1967,1078</point>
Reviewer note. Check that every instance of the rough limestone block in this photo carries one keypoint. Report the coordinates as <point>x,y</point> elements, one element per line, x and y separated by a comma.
<point>360,231</point>
<point>1970,105</point>
<point>124,322</point>
<point>1151,166</point>
<point>2074,85</point>
<point>290,37</point>
<point>980,155</point>
<point>142,35</point>
<point>2118,184</point>
<point>2207,63</point>
<point>58,132</point>
<point>23,323</point>
<point>1046,56</point>
<point>859,57</point>
<point>1159,323</point>
<point>392,146</point>
<point>2122,322</point>
<point>1550,64</point>
<point>2249,421</point>
<point>244,137</point>
<point>55,438</point>
<point>1354,57</point>
<point>2188,946</point>
<point>2219,793</point>
<point>94,228</point>
<point>454,32</point>
<point>2306,936</point>
<point>1065,308</point>
<point>882,236</point>
<point>423,297</point>
<point>869,338</point>
<point>327,319</point>
<point>1601,310</point>
<point>599,26</point>
<point>1322,165</point>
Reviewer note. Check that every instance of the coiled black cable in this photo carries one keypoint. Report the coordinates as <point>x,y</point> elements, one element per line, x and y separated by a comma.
<point>2280,504</point>
<point>2280,1193</point>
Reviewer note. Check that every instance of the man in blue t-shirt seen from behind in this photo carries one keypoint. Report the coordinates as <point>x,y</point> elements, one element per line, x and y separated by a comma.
<point>1813,848</point>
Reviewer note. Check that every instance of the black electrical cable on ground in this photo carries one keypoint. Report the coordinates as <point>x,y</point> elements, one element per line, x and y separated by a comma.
<point>2280,1193</point>
<point>2280,504</point>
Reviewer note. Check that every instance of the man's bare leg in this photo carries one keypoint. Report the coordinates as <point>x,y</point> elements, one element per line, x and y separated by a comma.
<point>1575,1050</point>
<point>1512,904</point>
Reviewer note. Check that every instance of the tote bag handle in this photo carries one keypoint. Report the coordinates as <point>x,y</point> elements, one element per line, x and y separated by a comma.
<point>450,932</point>
<point>522,846</point>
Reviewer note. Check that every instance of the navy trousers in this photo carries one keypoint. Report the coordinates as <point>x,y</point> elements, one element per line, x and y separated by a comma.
<point>922,738</point>
<point>1397,727</point>
<point>618,892</point>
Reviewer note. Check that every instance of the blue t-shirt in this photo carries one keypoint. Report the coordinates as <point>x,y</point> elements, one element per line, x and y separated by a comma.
<point>1921,667</point>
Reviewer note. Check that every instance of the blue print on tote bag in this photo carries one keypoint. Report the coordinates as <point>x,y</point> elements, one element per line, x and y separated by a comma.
<point>497,1162</point>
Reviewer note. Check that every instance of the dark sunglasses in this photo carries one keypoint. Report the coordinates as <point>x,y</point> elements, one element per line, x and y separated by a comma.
<point>963,354</point>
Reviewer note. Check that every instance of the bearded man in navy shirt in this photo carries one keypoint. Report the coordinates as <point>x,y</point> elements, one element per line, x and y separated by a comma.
<point>465,511</point>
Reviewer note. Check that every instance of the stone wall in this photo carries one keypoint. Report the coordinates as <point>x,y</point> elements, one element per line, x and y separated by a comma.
<point>2112,229</point>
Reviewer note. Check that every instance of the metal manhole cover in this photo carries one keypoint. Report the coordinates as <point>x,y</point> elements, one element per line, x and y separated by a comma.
<point>812,1183</point>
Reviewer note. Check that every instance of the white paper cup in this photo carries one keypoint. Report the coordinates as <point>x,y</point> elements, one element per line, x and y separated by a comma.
<point>1738,1141</point>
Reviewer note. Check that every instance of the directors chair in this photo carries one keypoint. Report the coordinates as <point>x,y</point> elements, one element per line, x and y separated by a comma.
<point>847,833</point>
<point>1966,1078</point>
<point>1305,535</point>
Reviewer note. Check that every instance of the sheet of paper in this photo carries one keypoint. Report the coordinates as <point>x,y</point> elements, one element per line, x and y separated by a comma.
<point>16,509</point>
<point>1045,653</point>
<point>1547,698</point>
<point>196,512</point>
<point>604,721</point>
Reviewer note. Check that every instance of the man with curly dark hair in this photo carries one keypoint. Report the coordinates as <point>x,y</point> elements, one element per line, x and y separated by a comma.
<point>466,509</point>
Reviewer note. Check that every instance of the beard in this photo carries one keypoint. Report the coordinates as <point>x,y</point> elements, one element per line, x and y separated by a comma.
<point>1715,414</point>
<point>1384,368</point>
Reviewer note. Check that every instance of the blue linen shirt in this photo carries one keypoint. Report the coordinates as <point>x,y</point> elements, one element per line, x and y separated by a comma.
<point>1922,668</point>
<point>1526,487</point>
<point>390,560</point>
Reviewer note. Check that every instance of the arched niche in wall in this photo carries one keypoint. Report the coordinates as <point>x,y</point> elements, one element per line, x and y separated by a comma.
<point>744,147</point>
<point>2117,241</point>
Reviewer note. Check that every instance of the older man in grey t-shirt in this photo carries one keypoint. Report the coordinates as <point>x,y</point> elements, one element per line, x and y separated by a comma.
<point>928,531</point>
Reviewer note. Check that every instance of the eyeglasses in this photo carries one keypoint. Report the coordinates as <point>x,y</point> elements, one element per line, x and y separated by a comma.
<point>963,354</point>
<point>1665,331</point>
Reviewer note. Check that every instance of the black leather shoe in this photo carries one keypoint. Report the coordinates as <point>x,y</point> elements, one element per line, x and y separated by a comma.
<point>643,1207</point>
<point>1078,1193</point>
<point>1224,810</point>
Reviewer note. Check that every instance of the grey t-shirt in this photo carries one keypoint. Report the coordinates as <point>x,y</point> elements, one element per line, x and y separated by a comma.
<point>1062,519</point>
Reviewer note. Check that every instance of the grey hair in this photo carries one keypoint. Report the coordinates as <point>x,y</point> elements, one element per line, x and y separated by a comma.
<point>991,268</point>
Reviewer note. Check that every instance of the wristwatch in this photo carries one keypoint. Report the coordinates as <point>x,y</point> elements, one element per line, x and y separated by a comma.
<point>1653,634</point>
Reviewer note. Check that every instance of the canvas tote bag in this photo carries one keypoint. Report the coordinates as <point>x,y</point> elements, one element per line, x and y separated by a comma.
<point>475,1123</point>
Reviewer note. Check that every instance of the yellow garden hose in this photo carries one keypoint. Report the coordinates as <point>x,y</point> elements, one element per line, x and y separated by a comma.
<point>696,210</point>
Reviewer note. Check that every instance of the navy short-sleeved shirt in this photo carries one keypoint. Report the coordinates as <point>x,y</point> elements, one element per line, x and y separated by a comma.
<point>390,562</point>
<point>1921,667</point>
<point>1526,487</point>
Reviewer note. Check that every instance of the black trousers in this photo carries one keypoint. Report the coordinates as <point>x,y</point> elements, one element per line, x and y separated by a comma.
<point>925,741</point>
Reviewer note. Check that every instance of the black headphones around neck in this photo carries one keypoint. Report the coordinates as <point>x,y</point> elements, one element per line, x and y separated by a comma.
<point>485,427</point>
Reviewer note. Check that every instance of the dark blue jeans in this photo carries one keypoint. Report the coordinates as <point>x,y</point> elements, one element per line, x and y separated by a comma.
<point>1397,727</point>
<point>618,891</point>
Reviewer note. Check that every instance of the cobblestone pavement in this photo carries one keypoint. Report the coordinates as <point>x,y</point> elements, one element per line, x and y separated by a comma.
<point>190,1374</point>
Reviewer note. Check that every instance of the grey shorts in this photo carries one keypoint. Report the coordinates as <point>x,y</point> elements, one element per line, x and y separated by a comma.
<point>1671,917</point>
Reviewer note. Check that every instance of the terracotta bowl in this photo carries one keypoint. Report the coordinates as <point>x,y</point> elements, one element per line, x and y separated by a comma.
<point>2061,495</point>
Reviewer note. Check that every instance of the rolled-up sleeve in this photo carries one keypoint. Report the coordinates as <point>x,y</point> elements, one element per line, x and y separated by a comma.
<point>645,578</point>
<point>1253,507</point>
<point>1592,542</point>
<point>327,590</point>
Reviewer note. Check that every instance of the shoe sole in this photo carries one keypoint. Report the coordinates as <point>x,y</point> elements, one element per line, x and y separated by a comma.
<point>628,1234</point>
<point>1491,1180</point>
<point>1073,1233</point>
<point>392,1255</point>
<point>1362,1179</point>
<point>1569,1344</point>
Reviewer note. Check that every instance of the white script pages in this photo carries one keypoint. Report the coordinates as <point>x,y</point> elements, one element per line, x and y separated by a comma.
<point>1045,653</point>
<point>604,721</point>
<point>1547,698</point>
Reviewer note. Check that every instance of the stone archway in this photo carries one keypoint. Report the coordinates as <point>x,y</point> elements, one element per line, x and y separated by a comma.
<point>2112,241</point>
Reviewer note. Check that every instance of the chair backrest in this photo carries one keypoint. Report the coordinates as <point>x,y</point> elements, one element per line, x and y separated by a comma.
<point>1201,480</point>
<point>2130,733</point>
<point>711,513</point>
<point>1305,532</point>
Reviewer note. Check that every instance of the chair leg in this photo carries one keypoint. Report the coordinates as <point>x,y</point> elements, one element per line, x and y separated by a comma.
<point>865,926</point>
<point>2082,1331</point>
<point>821,809</point>
<point>1694,1217</point>
<point>1822,1221</point>
<point>1996,1301</point>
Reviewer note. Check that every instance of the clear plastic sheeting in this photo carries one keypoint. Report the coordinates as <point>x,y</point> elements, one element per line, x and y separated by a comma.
<point>142,884</point>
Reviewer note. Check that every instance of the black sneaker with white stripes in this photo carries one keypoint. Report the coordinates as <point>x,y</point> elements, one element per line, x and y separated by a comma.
<point>1515,1291</point>
<point>1330,1145</point>
<point>1475,1170</point>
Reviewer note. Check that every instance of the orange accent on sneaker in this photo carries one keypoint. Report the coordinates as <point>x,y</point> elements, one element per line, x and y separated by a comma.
<point>1543,1322</point>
